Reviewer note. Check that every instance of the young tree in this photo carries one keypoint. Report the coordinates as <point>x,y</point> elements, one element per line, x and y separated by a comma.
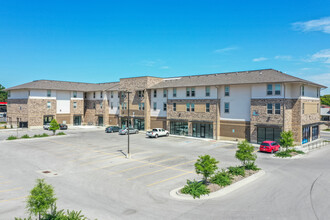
<point>206,166</point>
<point>286,139</point>
<point>3,94</point>
<point>41,199</point>
<point>245,153</point>
<point>325,100</point>
<point>53,126</point>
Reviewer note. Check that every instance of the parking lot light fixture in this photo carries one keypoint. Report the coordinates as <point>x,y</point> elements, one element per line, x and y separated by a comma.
<point>128,150</point>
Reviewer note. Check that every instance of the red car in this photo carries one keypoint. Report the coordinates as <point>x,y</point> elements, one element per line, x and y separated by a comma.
<point>269,146</point>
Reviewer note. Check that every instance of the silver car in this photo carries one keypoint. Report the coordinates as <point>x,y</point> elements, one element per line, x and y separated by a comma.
<point>131,131</point>
<point>46,126</point>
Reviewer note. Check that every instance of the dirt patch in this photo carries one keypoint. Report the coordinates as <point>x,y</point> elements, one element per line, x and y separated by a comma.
<point>215,187</point>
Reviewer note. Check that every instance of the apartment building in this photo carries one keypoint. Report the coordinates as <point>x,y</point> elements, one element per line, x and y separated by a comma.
<point>254,105</point>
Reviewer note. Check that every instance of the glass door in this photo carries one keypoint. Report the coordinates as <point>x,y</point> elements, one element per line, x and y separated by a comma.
<point>77,120</point>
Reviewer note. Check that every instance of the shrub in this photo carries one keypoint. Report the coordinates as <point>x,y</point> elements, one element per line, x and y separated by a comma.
<point>283,154</point>
<point>53,126</point>
<point>296,151</point>
<point>40,135</point>
<point>206,166</point>
<point>245,153</point>
<point>236,171</point>
<point>60,133</point>
<point>222,178</point>
<point>44,135</point>
<point>251,166</point>
<point>25,136</point>
<point>195,188</point>
<point>286,139</point>
<point>12,137</point>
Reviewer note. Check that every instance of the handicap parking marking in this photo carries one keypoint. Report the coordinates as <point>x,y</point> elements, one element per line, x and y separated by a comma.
<point>13,199</point>
<point>171,178</point>
<point>165,168</point>
<point>9,190</point>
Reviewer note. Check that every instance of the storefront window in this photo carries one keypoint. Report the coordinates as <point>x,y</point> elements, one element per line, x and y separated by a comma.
<point>315,132</point>
<point>179,128</point>
<point>306,135</point>
<point>202,130</point>
<point>268,134</point>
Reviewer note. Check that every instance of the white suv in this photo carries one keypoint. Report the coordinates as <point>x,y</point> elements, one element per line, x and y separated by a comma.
<point>157,132</point>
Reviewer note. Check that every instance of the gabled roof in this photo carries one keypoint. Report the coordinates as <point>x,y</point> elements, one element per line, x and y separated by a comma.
<point>232,78</point>
<point>64,85</point>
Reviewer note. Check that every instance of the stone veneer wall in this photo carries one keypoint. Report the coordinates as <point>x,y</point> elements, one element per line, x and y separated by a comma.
<point>91,114</point>
<point>37,109</point>
<point>17,108</point>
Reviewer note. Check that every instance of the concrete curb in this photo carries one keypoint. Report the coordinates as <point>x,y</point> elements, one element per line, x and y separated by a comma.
<point>222,192</point>
<point>37,138</point>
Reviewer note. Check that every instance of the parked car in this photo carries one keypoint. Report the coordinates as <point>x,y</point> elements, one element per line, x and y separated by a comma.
<point>112,129</point>
<point>131,131</point>
<point>157,132</point>
<point>63,126</point>
<point>46,126</point>
<point>269,146</point>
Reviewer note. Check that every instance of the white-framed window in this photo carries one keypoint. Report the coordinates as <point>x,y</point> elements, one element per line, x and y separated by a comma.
<point>155,106</point>
<point>207,91</point>
<point>192,107</point>
<point>125,105</point>
<point>269,89</point>
<point>85,95</point>
<point>111,105</point>
<point>269,108</point>
<point>140,106</point>
<point>49,104</point>
<point>111,94</point>
<point>164,107</point>
<point>174,107</point>
<point>9,94</point>
<point>74,104</point>
<point>101,95</point>
<point>155,93</point>
<point>207,107</point>
<point>164,93</point>
<point>74,94</point>
<point>49,93</point>
<point>227,90</point>
<point>188,107</point>
<point>174,92</point>
<point>94,95</point>
<point>192,92</point>
<point>302,90</point>
<point>141,93</point>
<point>143,106</point>
<point>277,108</point>
<point>188,92</point>
<point>277,89</point>
<point>226,107</point>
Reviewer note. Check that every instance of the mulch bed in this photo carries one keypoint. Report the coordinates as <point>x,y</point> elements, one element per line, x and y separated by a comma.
<point>215,187</point>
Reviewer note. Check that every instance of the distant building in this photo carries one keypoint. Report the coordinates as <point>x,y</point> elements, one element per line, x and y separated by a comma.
<point>254,105</point>
<point>3,111</point>
<point>325,113</point>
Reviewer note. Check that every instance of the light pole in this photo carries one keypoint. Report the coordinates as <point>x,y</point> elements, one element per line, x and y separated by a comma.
<point>128,152</point>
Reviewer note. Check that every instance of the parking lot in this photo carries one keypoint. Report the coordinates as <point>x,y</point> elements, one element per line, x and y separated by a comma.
<point>90,172</point>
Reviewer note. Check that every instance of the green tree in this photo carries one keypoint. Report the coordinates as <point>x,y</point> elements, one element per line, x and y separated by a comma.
<point>245,153</point>
<point>325,100</point>
<point>206,166</point>
<point>286,139</point>
<point>53,126</point>
<point>3,94</point>
<point>41,199</point>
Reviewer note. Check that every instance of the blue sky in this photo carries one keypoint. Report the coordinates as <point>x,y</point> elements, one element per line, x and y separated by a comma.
<point>103,41</point>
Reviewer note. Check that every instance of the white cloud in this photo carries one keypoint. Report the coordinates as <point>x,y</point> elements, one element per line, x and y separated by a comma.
<point>322,24</point>
<point>259,59</point>
<point>226,49</point>
<point>283,57</point>
<point>322,56</point>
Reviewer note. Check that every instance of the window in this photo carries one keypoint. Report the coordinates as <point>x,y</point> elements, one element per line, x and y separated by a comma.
<point>277,89</point>
<point>277,108</point>
<point>111,94</point>
<point>141,94</point>
<point>302,90</point>
<point>303,108</point>
<point>74,104</point>
<point>188,92</point>
<point>226,107</point>
<point>269,89</point>
<point>164,107</point>
<point>74,94</point>
<point>101,95</point>
<point>111,105</point>
<point>94,106</point>
<point>125,105</point>
<point>174,107</point>
<point>142,106</point>
<point>155,106</point>
<point>94,95</point>
<point>207,105</point>
<point>101,105</point>
<point>188,107</point>
<point>164,93</point>
<point>227,90</point>
<point>269,108</point>
<point>9,93</point>
<point>192,92</point>
<point>85,95</point>
<point>155,93</point>
<point>49,93</point>
<point>123,94</point>
<point>49,104</point>
<point>207,91</point>
<point>174,92</point>
<point>318,93</point>
<point>192,108</point>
